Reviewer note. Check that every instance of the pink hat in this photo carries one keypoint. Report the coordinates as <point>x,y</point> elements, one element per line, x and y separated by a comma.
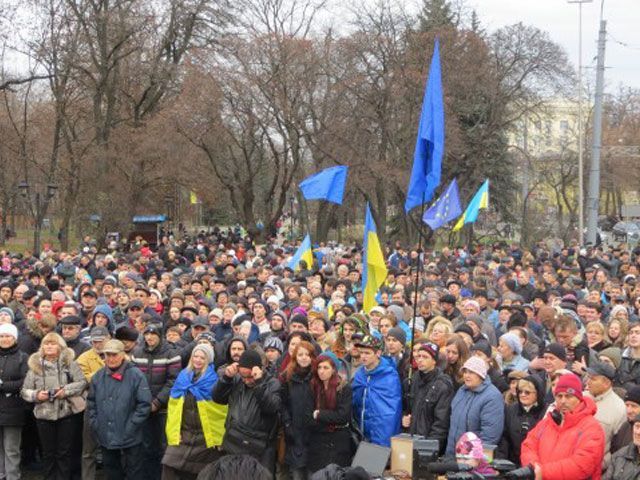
<point>569,383</point>
<point>476,365</point>
<point>470,446</point>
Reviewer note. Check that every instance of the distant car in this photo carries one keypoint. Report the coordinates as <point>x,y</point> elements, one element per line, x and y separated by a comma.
<point>628,232</point>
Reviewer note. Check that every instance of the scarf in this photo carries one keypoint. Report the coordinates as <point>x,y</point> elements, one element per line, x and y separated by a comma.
<point>201,388</point>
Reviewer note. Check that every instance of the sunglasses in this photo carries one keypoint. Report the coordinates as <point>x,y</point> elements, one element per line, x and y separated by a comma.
<point>525,392</point>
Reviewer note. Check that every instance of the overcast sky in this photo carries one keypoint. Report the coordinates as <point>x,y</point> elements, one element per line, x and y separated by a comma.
<point>560,19</point>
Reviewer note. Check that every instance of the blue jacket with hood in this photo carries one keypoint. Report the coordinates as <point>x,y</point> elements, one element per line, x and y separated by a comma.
<point>377,401</point>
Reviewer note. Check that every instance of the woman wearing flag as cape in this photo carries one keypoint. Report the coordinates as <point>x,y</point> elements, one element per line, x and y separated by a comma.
<point>195,424</point>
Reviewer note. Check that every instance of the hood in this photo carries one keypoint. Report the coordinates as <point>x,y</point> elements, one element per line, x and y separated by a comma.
<point>33,327</point>
<point>35,361</point>
<point>585,409</point>
<point>106,311</point>
<point>227,355</point>
<point>539,385</point>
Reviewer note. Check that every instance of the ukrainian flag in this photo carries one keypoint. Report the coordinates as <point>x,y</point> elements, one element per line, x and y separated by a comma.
<point>479,200</point>
<point>305,253</point>
<point>374,268</point>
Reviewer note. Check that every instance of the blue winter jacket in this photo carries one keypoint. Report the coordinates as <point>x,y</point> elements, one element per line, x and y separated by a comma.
<point>480,411</point>
<point>377,401</point>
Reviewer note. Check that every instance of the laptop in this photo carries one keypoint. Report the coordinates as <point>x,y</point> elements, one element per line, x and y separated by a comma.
<point>373,458</point>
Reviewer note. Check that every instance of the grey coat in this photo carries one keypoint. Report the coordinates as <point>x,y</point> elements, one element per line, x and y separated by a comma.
<point>46,375</point>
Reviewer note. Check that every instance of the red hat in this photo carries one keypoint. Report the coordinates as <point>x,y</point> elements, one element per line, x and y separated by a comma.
<point>571,384</point>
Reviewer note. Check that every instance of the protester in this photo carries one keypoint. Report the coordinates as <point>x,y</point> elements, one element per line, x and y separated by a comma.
<point>118,404</point>
<point>625,464</point>
<point>254,404</point>
<point>297,408</point>
<point>13,370</point>
<point>195,423</point>
<point>477,407</point>
<point>521,417</point>
<point>568,442</point>
<point>55,383</point>
<point>377,393</point>
<point>427,397</point>
<point>330,435</point>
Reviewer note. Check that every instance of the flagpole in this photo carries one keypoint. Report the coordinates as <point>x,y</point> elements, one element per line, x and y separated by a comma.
<point>415,310</point>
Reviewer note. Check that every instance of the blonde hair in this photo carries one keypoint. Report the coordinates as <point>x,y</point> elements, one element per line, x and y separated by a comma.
<point>439,321</point>
<point>591,326</point>
<point>52,338</point>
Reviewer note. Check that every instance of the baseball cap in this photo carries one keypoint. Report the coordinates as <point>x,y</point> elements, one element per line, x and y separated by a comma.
<point>369,341</point>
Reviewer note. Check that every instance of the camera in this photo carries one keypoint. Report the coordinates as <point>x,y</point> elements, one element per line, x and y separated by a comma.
<point>52,395</point>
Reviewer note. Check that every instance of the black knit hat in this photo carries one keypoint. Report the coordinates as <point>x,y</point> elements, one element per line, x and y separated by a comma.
<point>127,333</point>
<point>250,359</point>
<point>557,350</point>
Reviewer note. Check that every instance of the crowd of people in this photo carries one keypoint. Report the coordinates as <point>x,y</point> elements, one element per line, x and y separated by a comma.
<point>158,363</point>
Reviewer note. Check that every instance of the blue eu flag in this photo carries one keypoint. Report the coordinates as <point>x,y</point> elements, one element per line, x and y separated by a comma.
<point>445,209</point>
<point>326,185</point>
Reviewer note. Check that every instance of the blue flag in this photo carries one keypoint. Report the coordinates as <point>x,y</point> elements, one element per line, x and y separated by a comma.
<point>427,157</point>
<point>325,185</point>
<point>445,209</point>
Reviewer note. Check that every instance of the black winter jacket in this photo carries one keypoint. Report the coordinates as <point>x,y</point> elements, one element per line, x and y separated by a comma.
<point>330,437</point>
<point>13,369</point>
<point>118,408</point>
<point>161,367</point>
<point>428,398</point>
<point>253,411</point>
<point>297,416</point>
<point>518,423</point>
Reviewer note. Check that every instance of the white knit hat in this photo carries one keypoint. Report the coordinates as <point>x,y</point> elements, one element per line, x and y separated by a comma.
<point>9,329</point>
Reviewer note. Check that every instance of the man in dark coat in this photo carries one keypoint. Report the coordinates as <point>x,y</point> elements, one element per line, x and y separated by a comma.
<point>13,369</point>
<point>254,402</point>
<point>427,397</point>
<point>70,327</point>
<point>118,404</point>
<point>160,363</point>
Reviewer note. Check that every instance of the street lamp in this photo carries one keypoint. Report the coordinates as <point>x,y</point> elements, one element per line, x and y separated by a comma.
<point>168,201</point>
<point>580,134</point>
<point>38,207</point>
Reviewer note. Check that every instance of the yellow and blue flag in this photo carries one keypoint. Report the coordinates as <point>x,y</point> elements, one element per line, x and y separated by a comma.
<point>304,252</point>
<point>374,268</point>
<point>445,209</point>
<point>479,200</point>
<point>427,157</point>
<point>326,185</point>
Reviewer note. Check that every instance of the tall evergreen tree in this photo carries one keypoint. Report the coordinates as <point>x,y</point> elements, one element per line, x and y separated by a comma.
<point>436,14</point>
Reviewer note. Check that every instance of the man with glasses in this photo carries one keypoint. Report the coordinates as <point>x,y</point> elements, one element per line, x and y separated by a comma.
<point>71,326</point>
<point>427,397</point>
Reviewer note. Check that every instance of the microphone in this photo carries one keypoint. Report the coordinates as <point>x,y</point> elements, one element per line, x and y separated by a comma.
<point>440,468</point>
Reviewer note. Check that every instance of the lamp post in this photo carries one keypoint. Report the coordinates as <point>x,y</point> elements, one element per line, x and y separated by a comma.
<point>580,129</point>
<point>292,199</point>
<point>38,206</point>
<point>168,201</point>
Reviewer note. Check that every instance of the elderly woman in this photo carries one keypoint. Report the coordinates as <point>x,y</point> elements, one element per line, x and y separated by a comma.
<point>477,407</point>
<point>55,384</point>
<point>195,424</point>
<point>510,348</point>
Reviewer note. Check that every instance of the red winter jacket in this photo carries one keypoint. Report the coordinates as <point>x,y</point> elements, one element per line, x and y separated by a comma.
<point>571,451</point>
